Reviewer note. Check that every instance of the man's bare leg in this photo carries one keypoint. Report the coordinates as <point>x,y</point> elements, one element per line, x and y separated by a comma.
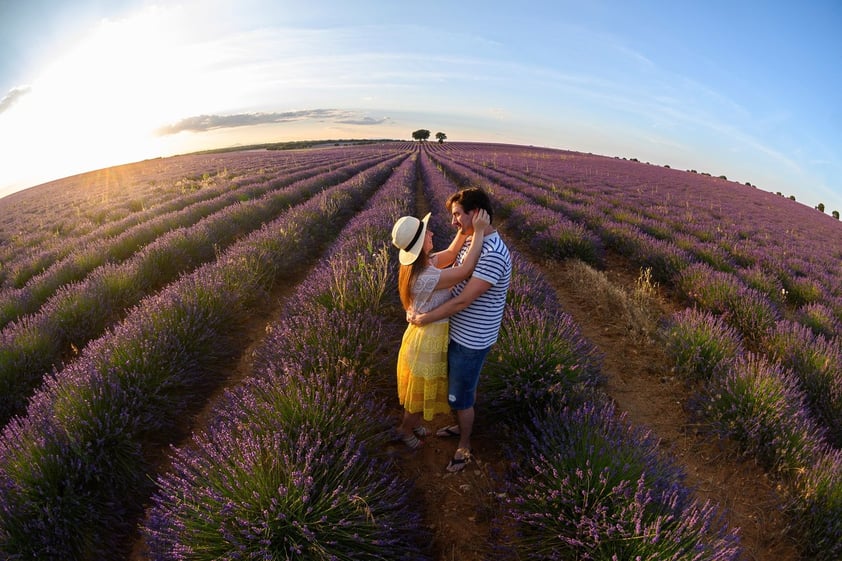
<point>466,426</point>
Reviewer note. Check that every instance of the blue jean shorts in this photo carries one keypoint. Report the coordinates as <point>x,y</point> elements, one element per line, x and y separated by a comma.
<point>463,367</point>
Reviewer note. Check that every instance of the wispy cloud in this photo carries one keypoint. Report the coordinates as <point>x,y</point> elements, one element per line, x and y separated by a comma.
<point>14,94</point>
<point>366,121</point>
<point>203,123</point>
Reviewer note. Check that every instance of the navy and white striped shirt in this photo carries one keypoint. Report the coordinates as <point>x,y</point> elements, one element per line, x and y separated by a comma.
<point>478,325</point>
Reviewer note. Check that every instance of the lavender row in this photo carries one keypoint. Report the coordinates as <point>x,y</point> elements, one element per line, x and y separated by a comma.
<point>75,470</point>
<point>594,484</point>
<point>79,262</point>
<point>289,465</point>
<point>783,408</point>
<point>50,218</point>
<point>707,216</point>
<point>75,216</point>
<point>238,173</point>
<point>79,312</point>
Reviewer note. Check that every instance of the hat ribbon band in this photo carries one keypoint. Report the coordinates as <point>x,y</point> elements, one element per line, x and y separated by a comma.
<point>415,237</point>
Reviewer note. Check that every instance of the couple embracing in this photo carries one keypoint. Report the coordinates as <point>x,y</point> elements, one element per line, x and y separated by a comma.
<point>454,300</point>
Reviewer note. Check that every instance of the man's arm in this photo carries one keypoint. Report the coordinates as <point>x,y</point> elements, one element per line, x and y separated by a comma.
<point>474,289</point>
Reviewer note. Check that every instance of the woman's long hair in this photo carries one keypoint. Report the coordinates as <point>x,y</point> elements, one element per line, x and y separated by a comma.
<point>406,277</point>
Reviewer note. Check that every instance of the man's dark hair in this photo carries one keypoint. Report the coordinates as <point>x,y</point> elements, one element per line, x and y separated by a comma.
<point>471,198</point>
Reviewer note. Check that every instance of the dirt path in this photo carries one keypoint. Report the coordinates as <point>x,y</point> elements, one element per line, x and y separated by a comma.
<point>458,507</point>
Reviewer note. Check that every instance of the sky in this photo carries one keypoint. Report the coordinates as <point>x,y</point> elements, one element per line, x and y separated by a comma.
<point>745,89</point>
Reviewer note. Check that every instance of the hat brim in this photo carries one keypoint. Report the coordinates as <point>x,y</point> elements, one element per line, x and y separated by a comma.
<point>409,255</point>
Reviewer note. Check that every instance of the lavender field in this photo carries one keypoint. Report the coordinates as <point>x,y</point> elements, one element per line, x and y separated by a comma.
<point>131,298</point>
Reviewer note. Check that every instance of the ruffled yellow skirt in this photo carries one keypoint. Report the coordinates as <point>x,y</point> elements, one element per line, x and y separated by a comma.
<point>422,369</point>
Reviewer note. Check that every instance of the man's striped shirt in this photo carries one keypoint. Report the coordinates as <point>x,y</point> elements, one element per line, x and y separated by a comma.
<point>478,325</point>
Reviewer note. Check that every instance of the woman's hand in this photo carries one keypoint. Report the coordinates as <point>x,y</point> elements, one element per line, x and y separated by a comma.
<point>481,220</point>
<point>414,318</point>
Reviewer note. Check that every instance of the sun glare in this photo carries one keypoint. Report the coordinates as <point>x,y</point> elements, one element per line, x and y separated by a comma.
<point>101,102</point>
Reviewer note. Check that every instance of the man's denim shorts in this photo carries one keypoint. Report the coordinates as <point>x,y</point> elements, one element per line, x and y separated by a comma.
<point>463,367</point>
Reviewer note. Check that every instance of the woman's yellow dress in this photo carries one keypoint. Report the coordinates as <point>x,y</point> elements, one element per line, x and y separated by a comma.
<point>422,359</point>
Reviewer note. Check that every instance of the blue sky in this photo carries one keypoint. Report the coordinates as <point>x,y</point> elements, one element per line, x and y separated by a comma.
<point>744,89</point>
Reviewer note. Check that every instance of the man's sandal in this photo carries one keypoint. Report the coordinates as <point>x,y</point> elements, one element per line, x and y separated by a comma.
<point>452,430</point>
<point>458,464</point>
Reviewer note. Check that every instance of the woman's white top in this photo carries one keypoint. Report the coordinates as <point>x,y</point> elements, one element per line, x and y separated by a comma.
<point>425,297</point>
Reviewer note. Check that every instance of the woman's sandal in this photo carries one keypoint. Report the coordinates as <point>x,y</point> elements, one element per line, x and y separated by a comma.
<point>458,464</point>
<point>412,441</point>
<point>452,430</point>
<point>421,431</point>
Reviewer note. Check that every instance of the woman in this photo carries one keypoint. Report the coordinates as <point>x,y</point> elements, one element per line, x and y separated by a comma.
<point>422,285</point>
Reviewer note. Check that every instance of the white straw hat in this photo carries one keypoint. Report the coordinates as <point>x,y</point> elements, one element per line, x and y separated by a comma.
<point>408,236</point>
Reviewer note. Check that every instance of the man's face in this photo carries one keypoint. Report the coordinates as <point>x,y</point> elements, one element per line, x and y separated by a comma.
<point>461,219</point>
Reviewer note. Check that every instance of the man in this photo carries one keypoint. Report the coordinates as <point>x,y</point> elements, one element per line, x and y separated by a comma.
<point>475,313</point>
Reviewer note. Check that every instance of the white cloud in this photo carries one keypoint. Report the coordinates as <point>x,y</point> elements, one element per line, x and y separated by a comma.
<point>13,96</point>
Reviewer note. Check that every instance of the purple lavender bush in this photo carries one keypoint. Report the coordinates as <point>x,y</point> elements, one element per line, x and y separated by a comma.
<point>329,341</point>
<point>760,405</point>
<point>591,486</point>
<point>767,283</point>
<point>288,493</point>
<point>700,344</point>
<point>666,260</point>
<point>817,364</point>
<point>60,490</point>
<point>540,355</point>
<point>746,309</point>
<point>802,289</point>
<point>553,236</point>
<point>817,507</point>
<point>528,287</point>
<point>279,394</point>
<point>821,319</point>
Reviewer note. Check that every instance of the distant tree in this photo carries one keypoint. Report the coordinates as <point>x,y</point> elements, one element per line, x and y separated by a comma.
<point>421,134</point>
<point>792,197</point>
<point>440,136</point>
<point>820,207</point>
<point>835,214</point>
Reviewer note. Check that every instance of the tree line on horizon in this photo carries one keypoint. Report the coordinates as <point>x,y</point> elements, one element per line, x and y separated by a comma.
<point>424,134</point>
